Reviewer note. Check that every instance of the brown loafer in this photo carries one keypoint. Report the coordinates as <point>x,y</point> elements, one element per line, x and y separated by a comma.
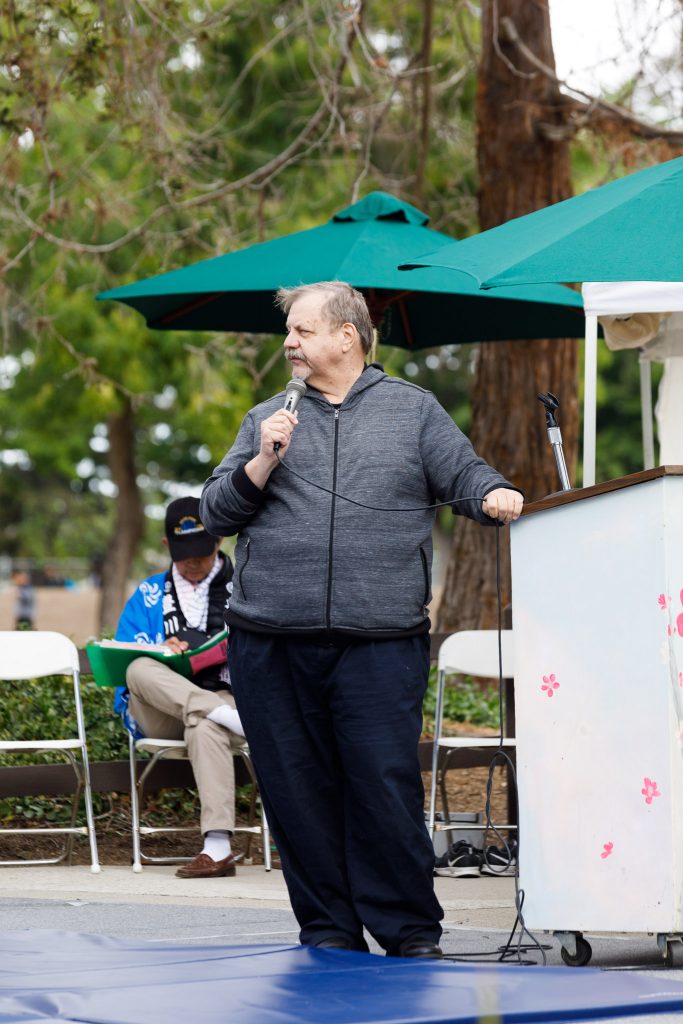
<point>204,866</point>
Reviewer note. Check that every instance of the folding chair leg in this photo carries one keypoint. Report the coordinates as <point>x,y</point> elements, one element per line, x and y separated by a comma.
<point>83,774</point>
<point>446,810</point>
<point>90,816</point>
<point>134,805</point>
<point>75,803</point>
<point>251,818</point>
<point>438,714</point>
<point>448,762</point>
<point>265,831</point>
<point>265,837</point>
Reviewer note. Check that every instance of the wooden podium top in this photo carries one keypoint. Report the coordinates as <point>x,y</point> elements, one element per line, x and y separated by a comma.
<point>565,497</point>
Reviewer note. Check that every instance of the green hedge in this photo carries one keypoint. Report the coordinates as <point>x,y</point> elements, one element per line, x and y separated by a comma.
<point>464,701</point>
<point>44,708</point>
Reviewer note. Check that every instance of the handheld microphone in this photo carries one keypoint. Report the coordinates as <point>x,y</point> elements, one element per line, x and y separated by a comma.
<point>294,392</point>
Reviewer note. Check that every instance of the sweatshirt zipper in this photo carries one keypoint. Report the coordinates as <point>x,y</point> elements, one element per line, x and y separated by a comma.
<point>331,543</point>
<point>244,565</point>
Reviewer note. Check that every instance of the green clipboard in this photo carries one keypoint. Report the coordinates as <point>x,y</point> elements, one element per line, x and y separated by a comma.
<point>109,663</point>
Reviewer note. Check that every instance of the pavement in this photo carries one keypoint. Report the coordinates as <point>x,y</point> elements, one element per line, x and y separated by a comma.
<point>253,907</point>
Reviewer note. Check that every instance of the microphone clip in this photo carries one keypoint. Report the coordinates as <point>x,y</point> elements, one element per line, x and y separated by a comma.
<point>551,404</point>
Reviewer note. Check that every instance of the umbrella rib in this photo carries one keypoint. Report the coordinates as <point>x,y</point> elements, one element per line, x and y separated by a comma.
<point>378,306</point>
<point>405,320</point>
<point>189,307</point>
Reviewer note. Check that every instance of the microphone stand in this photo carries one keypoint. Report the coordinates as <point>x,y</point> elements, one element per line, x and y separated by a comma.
<point>551,403</point>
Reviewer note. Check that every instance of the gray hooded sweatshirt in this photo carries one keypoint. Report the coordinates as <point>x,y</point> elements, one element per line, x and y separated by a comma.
<point>307,561</point>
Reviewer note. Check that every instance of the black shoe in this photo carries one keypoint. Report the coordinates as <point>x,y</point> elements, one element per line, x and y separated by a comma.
<point>418,949</point>
<point>497,861</point>
<point>462,860</point>
<point>334,942</point>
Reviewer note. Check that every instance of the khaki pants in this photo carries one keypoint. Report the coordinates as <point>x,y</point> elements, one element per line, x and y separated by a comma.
<point>170,707</point>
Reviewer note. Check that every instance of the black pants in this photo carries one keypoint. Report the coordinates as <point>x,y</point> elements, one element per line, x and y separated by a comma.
<point>333,731</point>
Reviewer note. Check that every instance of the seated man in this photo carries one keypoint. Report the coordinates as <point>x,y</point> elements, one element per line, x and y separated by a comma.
<point>182,608</point>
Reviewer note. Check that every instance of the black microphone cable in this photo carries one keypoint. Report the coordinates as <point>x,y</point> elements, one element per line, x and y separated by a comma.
<point>375,508</point>
<point>500,757</point>
<point>509,951</point>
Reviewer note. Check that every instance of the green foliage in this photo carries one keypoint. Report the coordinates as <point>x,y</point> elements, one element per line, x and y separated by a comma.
<point>464,701</point>
<point>43,708</point>
<point>140,138</point>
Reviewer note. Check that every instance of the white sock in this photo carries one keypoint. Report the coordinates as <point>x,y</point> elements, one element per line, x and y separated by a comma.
<point>227,717</point>
<point>217,844</point>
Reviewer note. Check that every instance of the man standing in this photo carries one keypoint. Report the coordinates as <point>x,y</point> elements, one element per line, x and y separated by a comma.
<point>329,645</point>
<point>183,608</point>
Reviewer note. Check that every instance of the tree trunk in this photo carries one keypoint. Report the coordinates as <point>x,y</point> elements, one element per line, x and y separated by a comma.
<point>520,170</point>
<point>129,522</point>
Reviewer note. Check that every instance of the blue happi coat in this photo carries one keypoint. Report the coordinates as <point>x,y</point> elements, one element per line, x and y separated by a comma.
<point>142,621</point>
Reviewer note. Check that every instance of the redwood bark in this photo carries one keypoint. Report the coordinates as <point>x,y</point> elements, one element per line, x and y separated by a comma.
<point>129,522</point>
<point>520,170</point>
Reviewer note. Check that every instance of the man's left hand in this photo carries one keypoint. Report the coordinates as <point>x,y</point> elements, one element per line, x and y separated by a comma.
<point>503,504</point>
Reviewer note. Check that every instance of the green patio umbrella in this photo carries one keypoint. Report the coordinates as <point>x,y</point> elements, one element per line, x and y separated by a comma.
<point>628,230</point>
<point>363,245</point>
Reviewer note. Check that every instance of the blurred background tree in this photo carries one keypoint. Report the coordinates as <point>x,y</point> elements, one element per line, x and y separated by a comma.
<point>527,122</point>
<point>136,137</point>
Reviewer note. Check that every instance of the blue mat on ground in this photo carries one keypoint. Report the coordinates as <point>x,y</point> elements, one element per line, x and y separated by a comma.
<point>93,979</point>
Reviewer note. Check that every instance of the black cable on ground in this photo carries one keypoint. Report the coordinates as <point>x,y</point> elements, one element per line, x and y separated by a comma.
<point>508,951</point>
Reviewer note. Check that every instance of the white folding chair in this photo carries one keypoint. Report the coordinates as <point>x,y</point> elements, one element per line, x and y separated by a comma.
<point>472,653</point>
<point>163,749</point>
<point>34,655</point>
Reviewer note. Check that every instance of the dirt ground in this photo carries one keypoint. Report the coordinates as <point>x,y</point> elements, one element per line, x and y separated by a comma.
<point>466,792</point>
<point>72,611</point>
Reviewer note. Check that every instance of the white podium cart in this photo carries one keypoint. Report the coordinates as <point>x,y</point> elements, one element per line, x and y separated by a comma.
<point>597,598</point>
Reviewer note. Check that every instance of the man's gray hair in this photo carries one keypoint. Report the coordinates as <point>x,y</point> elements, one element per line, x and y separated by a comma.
<point>345,305</point>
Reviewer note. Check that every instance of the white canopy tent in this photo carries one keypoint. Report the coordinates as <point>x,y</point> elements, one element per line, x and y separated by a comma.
<point>646,315</point>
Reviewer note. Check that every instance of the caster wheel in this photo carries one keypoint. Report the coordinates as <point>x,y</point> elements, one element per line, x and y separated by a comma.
<point>582,956</point>
<point>674,954</point>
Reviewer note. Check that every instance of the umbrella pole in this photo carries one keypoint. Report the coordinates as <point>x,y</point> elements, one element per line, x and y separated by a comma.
<point>646,412</point>
<point>590,375</point>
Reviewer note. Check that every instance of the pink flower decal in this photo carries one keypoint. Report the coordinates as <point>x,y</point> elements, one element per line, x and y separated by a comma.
<point>663,601</point>
<point>606,850</point>
<point>550,684</point>
<point>679,619</point>
<point>680,679</point>
<point>649,790</point>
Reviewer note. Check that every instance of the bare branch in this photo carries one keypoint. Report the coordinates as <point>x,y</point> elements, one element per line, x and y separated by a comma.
<point>254,178</point>
<point>18,257</point>
<point>593,109</point>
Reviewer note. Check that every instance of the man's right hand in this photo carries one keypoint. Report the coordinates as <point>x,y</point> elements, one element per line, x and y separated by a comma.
<point>176,645</point>
<point>277,428</point>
